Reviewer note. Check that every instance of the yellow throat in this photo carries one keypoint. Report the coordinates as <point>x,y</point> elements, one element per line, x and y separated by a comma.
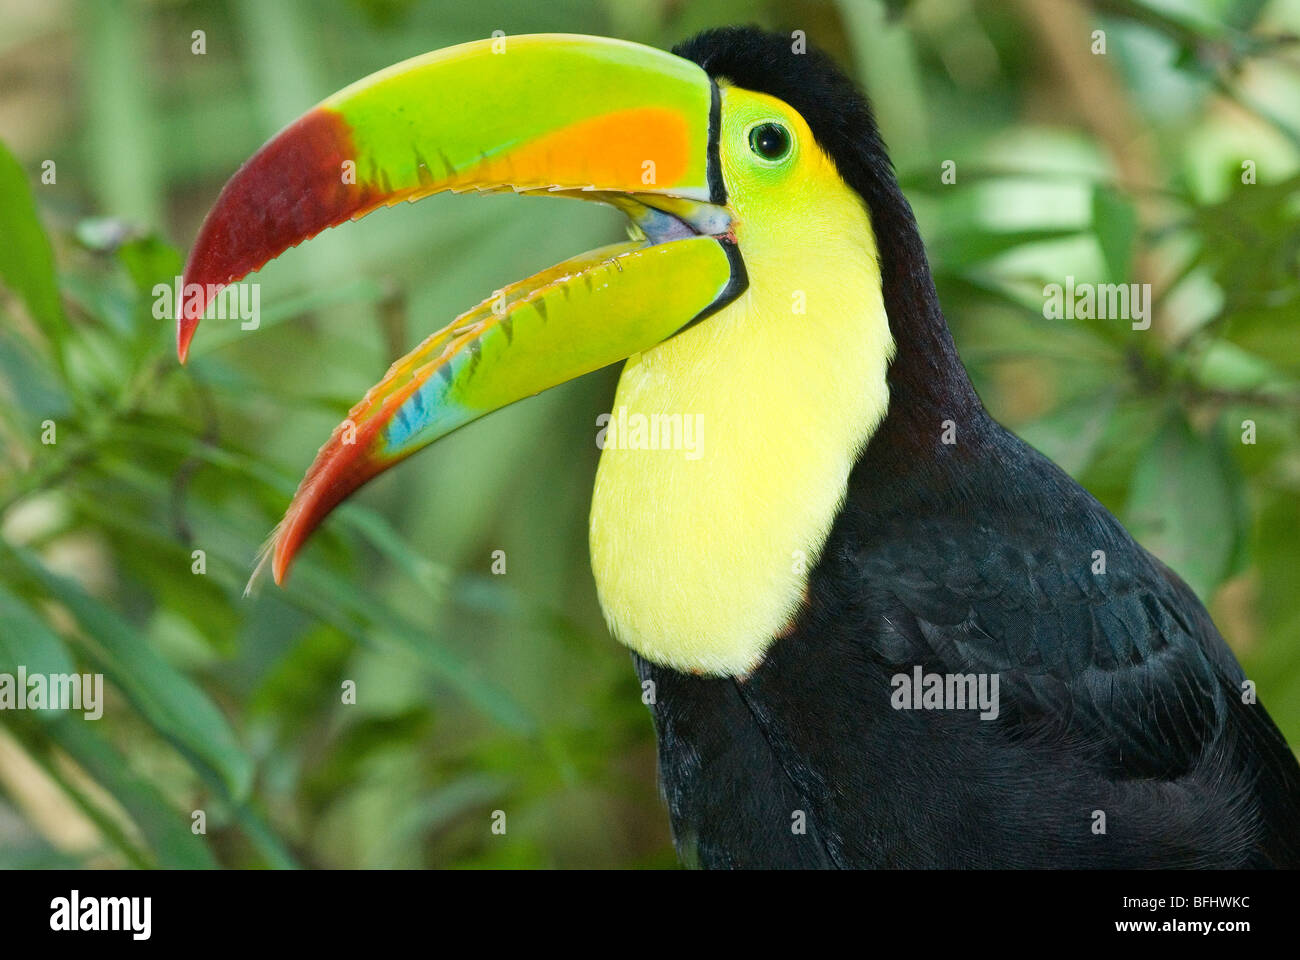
<point>701,551</point>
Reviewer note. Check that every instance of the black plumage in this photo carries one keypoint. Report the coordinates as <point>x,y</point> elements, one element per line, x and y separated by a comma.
<point>1117,693</point>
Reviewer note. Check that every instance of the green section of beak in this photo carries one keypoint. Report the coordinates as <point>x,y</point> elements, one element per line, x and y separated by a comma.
<point>534,111</point>
<point>578,316</point>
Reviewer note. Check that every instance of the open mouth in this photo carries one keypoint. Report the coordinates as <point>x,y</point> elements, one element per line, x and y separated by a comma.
<point>493,354</point>
<point>579,117</point>
<point>663,219</point>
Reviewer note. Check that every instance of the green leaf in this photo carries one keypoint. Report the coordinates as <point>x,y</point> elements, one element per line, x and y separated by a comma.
<point>168,700</point>
<point>27,641</point>
<point>26,258</point>
<point>434,811</point>
<point>150,261</point>
<point>36,387</point>
<point>1226,366</point>
<point>165,828</point>
<point>1268,333</point>
<point>331,598</point>
<point>953,251</point>
<point>1184,505</point>
<point>1114,219</point>
<point>1070,434</point>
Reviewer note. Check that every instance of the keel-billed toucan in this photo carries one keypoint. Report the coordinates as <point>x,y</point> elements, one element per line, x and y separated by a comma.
<point>854,517</point>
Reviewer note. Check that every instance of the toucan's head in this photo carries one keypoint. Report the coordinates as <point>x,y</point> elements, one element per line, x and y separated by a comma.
<point>748,304</point>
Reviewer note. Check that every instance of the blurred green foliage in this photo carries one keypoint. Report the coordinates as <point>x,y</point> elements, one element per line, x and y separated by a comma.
<point>478,692</point>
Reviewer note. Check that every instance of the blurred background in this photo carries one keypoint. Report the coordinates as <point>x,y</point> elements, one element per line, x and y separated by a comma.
<point>1173,158</point>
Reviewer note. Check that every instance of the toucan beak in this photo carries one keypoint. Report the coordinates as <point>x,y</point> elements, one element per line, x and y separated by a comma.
<point>581,116</point>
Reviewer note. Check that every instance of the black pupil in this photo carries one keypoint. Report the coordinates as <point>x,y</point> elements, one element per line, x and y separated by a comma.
<point>769,140</point>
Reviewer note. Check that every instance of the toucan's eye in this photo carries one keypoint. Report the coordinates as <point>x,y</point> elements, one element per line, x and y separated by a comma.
<point>771,141</point>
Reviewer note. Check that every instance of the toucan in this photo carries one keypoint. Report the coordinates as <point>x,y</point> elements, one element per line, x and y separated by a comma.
<point>870,617</point>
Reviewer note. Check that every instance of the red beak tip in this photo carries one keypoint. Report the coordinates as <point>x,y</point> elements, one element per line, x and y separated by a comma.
<point>280,564</point>
<point>185,330</point>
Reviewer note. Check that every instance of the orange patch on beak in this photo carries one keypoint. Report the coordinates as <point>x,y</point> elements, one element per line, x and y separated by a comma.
<point>624,141</point>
